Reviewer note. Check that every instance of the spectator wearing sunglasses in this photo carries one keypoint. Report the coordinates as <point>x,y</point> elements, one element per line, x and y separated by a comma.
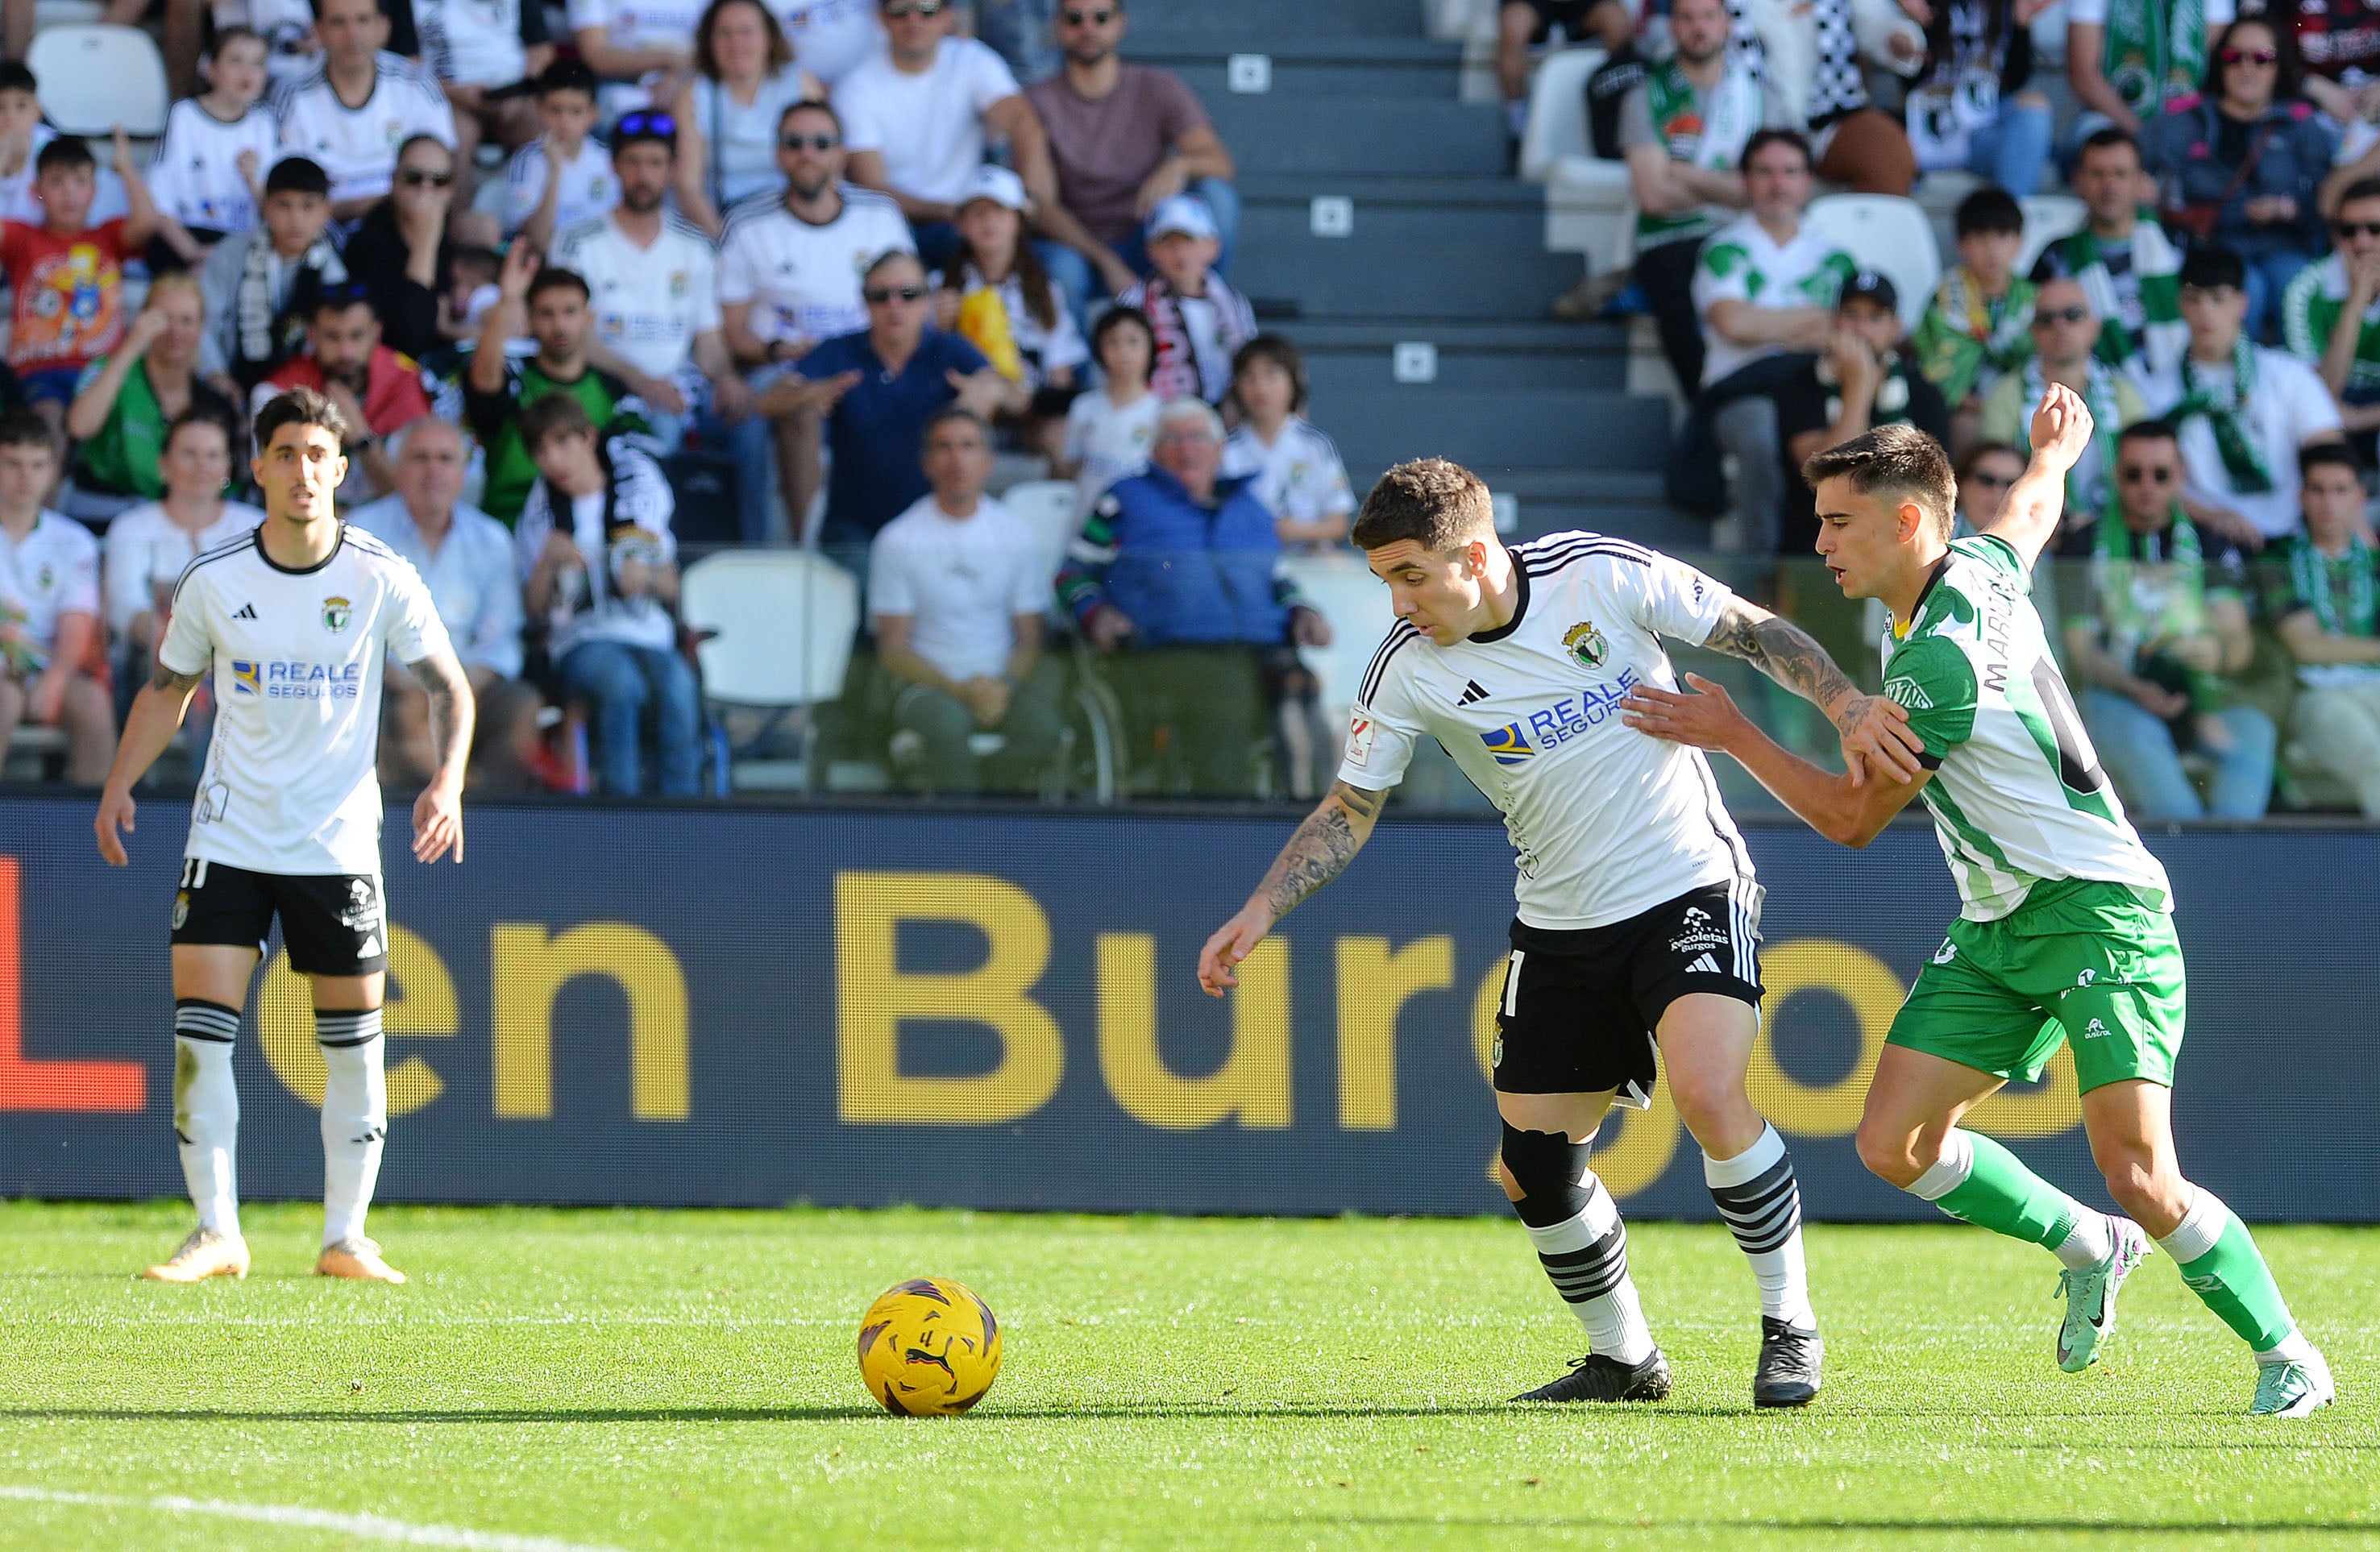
<point>877,388</point>
<point>260,285</point>
<point>2165,630</point>
<point>351,111</point>
<point>407,247</point>
<point>726,114</point>
<point>378,390</point>
<point>2065,349</point>
<point>657,321</point>
<point>918,117</point>
<point>2330,315</point>
<point>786,279</point>
<point>2245,160</point>
<point>1985,475</point>
<point>1123,139</point>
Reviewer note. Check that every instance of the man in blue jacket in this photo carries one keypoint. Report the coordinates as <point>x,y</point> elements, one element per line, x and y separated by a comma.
<point>1176,571</point>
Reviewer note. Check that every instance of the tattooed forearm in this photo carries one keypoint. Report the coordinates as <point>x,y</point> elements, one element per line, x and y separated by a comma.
<point>452,710</point>
<point>1786,653</point>
<point>1321,848</point>
<point>172,683</point>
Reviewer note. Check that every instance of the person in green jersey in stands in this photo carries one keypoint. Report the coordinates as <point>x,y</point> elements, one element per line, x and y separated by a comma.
<point>2066,931</point>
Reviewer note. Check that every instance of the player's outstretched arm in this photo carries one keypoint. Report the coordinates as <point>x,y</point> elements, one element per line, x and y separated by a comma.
<point>148,728</point>
<point>2061,434</point>
<point>1839,807</point>
<point>438,812</point>
<point>1323,845</point>
<point>1875,731</point>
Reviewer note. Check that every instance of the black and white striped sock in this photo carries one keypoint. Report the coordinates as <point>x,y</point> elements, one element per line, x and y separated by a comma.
<point>1762,1203</point>
<point>1586,1258</point>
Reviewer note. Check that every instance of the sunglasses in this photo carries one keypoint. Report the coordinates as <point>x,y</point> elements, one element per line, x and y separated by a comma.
<point>811,142</point>
<point>658,125</point>
<point>1993,481</point>
<point>2356,228</point>
<point>1096,18</point>
<point>414,178</point>
<point>2133,474</point>
<point>346,293</point>
<point>2250,57</point>
<point>878,295</point>
<point>927,8</point>
<point>2062,315</point>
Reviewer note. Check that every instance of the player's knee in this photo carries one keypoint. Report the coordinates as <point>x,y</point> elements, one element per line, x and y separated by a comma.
<point>1894,1153</point>
<point>1542,1174</point>
<point>1711,1103</point>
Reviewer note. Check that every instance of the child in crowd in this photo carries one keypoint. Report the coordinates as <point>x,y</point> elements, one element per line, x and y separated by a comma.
<point>22,135</point>
<point>208,176</point>
<point>1298,475</point>
<point>1980,323</point>
<point>1109,432</point>
<point>1197,320</point>
<point>67,275</point>
<point>539,203</point>
<point>995,292</point>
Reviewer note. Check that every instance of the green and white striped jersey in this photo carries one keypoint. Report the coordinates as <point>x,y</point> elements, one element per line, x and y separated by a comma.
<point>2017,795</point>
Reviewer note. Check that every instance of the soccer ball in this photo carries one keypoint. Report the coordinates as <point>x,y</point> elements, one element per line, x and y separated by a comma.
<point>929,1348</point>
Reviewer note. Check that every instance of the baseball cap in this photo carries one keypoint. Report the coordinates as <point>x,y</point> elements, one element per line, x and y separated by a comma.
<point>1186,214</point>
<point>996,184</point>
<point>1868,286</point>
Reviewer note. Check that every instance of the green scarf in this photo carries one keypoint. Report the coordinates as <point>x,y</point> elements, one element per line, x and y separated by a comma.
<point>2243,459</point>
<point>2084,489</point>
<point>1967,340</point>
<point>2316,578</point>
<point>2150,585</point>
<point>2156,270</point>
<point>2155,51</point>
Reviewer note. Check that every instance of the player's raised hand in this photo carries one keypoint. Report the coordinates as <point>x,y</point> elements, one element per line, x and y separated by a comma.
<point>438,822</point>
<point>2061,429</point>
<point>1234,942</point>
<point>1876,733</point>
<point>116,809</point>
<point>1707,720</point>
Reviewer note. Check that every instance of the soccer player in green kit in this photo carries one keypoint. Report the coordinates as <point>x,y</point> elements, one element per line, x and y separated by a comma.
<point>2065,930</point>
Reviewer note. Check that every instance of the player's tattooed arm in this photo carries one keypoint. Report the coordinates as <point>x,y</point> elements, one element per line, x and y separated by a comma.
<point>1873,729</point>
<point>452,711</point>
<point>1321,848</point>
<point>173,684</point>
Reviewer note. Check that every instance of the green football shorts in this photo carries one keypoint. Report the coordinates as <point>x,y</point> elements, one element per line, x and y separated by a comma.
<point>2083,961</point>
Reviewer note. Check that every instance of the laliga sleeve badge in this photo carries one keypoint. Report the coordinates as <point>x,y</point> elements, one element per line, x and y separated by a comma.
<point>1360,728</point>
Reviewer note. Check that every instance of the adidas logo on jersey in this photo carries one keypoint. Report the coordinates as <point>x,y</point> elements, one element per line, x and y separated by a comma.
<point>245,612</point>
<point>1910,694</point>
<point>1471,693</point>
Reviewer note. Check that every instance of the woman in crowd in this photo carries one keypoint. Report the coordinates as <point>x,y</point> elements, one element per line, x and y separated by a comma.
<point>407,249</point>
<point>128,400</point>
<point>745,79</point>
<point>1970,111</point>
<point>1020,323</point>
<point>2243,163</point>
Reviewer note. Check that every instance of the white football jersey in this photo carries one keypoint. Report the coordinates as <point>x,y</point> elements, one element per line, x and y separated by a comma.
<point>53,570</point>
<point>195,175</point>
<point>1606,823</point>
<point>802,279</point>
<point>650,303</point>
<point>588,188</point>
<point>290,785</point>
<point>358,146</point>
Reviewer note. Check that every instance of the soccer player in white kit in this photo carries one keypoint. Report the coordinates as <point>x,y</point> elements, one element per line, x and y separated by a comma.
<point>1637,908</point>
<point>295,622</point>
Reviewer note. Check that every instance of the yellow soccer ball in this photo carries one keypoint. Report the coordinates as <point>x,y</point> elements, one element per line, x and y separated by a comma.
<point>929,1348</point>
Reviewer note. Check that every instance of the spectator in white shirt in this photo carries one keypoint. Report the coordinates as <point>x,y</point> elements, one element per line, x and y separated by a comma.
<point>482,51</point>
<point>351,112</point>
<point>465,559</point>
<point>652,282</point>
<point>207,177</point>
<point>148,545</point>
<point>957,588</point>
<point>727,112</point>
<point>1022,324</point>
<point>639,48</point>
<point>1296,469</point>
<point>789,274</point>
<point>49,608</point>
<point>831,37</point>
<point>918,116</point>
<point>563,178</point>
<point>1110,431</point>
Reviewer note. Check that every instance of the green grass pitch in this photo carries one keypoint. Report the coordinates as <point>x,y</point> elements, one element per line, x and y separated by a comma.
<point>654,1381</point>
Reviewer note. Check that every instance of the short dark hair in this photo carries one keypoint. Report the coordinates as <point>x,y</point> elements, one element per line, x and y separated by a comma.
<point>1281,353</point>
<point>2151,430</point>
<point>66,154</point>
<point>1436,503</point>
<point>570,74</point>
<point>14,76</point>
<point>1981,450</point>
<point>2314,455</point>
<point>341,296</point>
<point>1121,318</point>
<point>297,175</point>
<point>300,407</point>
<point>22,428</point>
<point>411,141</point>
<point>225,36</point>
<point>552,277</point>
<point>810,104</point>
<point>947,414</point>
<point>2107,139</point>
<point>1989,209</point>
<point>198,415</point>
<point>1893,461</point>
<point>1762,139</point>
<point>550,416</point>
<point>2362,188</point>
<point>2211,264</point>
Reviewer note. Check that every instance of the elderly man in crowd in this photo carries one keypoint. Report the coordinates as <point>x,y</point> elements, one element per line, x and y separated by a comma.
<point>957,588</point>
<point>466,559</point>
<point>1176,575</point>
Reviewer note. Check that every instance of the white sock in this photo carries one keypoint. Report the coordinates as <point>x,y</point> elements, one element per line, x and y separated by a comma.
<point>206,1110</point>
<point>1949,1171</point>
<point>1588,1254</point>
<point>2291,1349</point>
<point>2199,1228</point>
<point>1761,1201</point>
<point>2092,1242</point>
<point>355,1118</point>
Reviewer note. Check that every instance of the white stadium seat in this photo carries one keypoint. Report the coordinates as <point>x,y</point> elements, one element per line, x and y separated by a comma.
<point>783,624</point>
<point>1887,234</point>
<point>1356,604</point>
<point>1048,508</point>
<point>2048,217</point>
<point>93,79</point>
<point>1558,111</point>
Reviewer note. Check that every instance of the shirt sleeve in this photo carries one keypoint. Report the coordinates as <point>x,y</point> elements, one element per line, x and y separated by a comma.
<point>2094,13</point>
<point>1034,592</point>
<point>2312,409</point>
<point>1381,728</point>
<point>702,284</point>
<point>1670,596</point>
<point>735,278</point>
<point>860,131</point>
<point>1637,120</point>
<point>415,632</point>
<point>1337,497</point>
<point>1722,273</point>
<point>989,78</point>
<point>598,13</point>
<point>888,578</point>
<point>1178,108</point>
<point>189,646</point>
<point>524,186</point>
<point>1934,683</point>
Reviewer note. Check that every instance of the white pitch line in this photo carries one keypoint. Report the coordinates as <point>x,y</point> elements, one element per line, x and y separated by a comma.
<point>372,1527</point>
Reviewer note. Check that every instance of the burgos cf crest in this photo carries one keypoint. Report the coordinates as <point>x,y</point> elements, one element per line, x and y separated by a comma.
<point>1585,644</point>
<point>1508,745</point>
<point>243,677</point>
<point>337,613</point>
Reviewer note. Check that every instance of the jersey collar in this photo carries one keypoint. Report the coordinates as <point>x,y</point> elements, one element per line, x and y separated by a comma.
<point>1900,631</point>
<point>1520,606</point>
<point>266,555</point>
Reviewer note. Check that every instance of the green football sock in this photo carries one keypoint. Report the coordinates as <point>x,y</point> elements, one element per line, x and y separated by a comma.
<point>2220,1262</point>
<point>1978,1182</point>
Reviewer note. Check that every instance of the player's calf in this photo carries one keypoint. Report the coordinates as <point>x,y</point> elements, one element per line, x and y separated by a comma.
<point>1575,1226</point>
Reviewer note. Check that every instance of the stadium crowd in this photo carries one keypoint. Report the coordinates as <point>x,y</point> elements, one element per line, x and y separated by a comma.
<point>807,271</point>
